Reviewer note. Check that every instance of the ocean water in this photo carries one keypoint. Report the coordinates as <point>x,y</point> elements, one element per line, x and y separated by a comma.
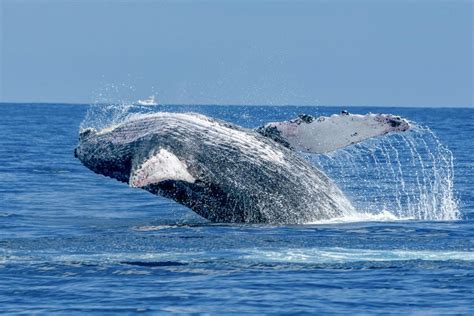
<point>73,241</point>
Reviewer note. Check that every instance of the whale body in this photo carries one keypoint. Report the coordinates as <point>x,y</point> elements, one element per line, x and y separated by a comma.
<point>223,172</point>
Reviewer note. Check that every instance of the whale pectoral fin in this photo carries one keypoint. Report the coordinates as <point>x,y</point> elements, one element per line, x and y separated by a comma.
<point>159,167</point>
<point>325,134</point>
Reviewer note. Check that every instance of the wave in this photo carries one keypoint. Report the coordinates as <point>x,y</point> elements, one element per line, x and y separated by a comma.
<point>409,175</point>
<point>344,255</point>
<point>322,255</point>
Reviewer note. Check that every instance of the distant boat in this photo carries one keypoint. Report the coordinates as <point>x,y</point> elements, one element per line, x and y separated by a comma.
<point>149,101</point>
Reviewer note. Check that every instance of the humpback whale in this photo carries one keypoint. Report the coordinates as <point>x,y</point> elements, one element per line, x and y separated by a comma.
<point>226,173</point>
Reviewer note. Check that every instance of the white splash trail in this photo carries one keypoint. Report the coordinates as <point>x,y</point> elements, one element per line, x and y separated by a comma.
<point>313,255</point>
<point>344,255</point>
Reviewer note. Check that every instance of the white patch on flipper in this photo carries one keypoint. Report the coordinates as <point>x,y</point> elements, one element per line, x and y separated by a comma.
<point>162,166</point>
<point>326,134</point>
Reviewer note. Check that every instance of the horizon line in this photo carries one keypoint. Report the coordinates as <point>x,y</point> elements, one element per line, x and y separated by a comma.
<point>262,105</point>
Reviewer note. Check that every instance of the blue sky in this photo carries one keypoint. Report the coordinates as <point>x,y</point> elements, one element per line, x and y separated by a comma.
<point>384,53</point>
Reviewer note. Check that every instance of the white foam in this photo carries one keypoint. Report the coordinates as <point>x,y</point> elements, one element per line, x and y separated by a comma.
<point>147,228</point>
<point>344,255</point>
<point>384,216</point>
<point>321,255</point>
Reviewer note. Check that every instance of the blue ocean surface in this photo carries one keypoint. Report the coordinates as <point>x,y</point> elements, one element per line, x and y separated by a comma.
<point>72,241</point>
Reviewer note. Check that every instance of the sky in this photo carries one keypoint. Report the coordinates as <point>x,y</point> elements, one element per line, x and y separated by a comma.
<point>342,53</point>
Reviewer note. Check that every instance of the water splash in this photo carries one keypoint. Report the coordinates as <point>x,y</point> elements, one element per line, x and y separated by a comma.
<point>112,106</point>
<point>345,255</point>
<point>312,255</point>
<point>409,175</point>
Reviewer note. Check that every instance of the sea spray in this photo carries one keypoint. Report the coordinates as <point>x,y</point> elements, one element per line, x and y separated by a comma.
<point>112,106</point>
<point>409,175</point>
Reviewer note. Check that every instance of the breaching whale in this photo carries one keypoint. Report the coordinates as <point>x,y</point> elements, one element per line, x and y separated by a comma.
<point>226,173</point>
